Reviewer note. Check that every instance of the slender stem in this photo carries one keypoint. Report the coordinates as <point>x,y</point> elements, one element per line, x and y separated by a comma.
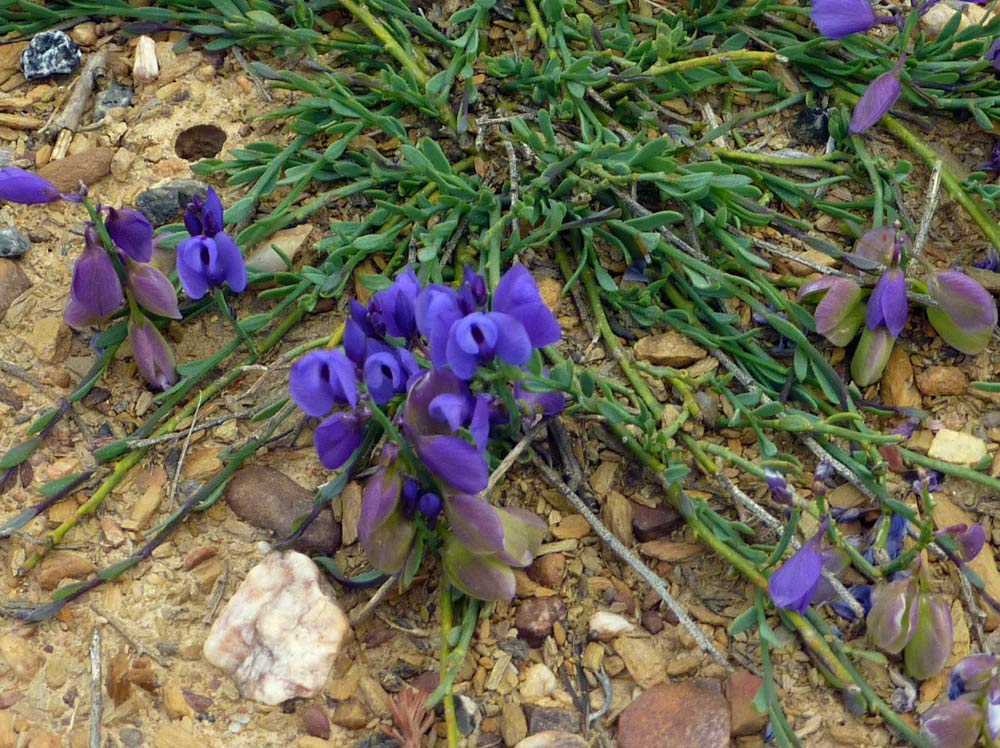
<point>220,300</point>
<point>409,61</point>
<point>766,159</point>
<point>665,68</point>
<point>447,623</point>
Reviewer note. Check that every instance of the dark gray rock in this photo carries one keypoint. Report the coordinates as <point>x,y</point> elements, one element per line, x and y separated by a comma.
<point>49,53</point>
<point>115,96</point>
<point>467,714</point>
<point>543,719</point>
<point>131,737</point>
<point>164,203</point>
<point>13,243</point>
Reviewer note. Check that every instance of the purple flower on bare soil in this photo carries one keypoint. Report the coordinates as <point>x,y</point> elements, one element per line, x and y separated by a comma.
<point>967,314</point>
<point>794,585</point>
<point>969,539</point>
<point>887,305</point>
<point>930,644</point>
<point>993,53</point>
<point>836,19</point>
<point>95,291</point>
<point>538,404</point>
<point>877,99</point>
<point>209,258</point>
<point>972,675</point>
<point>385,532</point>
<point>20,186</point>
<point>152,354</point>
<point>871,355</point>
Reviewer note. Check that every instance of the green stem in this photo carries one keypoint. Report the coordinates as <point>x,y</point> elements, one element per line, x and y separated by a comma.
<point>409,61</point>
<point>220,300</point>
<point>765,159</point>
<point>447,623</point>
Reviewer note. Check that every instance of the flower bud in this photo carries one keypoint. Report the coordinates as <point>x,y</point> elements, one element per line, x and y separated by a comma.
<point>967,315</point>
<point>955,724</point>
<point>836,19</point>
<point>20,186</point>
<point>151,289</point>
<point>152,354</point>
<point>383,531</point>
<point>778,487</point>
<point>131,232</point>
<point>971,675</point>
<point>145,68</point>
<point>876,100</point>
<point>930,645</point>
<point>893,616</point>
<point>95,291</point>
<point>839,313</point>
<point>430,505</point>
<point>871,356</point>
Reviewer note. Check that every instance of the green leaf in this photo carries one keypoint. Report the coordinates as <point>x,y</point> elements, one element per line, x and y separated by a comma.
<point>52,487</point>
<point>744,621</point>
<point>70,589</point>
<point>118,568</point>
<point>40,423</point>
<point>18,454</point>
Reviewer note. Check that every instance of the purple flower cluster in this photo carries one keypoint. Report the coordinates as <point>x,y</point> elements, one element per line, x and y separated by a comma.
<point>416,349</point>
<point>973,707</point>
<point>964,317</point>
<point>209,258</point>
<point>106,275</point>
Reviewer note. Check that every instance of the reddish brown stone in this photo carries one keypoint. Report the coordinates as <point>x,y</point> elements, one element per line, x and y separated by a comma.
<point>548,570</point>
<point>13,283</point>
<point>741,690</point>
<point>650,523</point>
<point>535,617</point>
<point>88,167</point>
<point>675,715</point>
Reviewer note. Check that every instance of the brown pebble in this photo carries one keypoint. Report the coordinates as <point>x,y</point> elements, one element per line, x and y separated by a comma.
<point>650,523</point>
<point>652,622</point>
<point>13,283</point>
<point>535,617</point>
<point>272,501</point>
<point>741,689</point>
<point>89,167</point>
<point>316,722</point>
<point>61,565</point>
<point>199,555</point>
<point>675,715</point>
<point>351,714</point>
<point>197,701</point>
<point>548,570</point>
<point>941,380</point>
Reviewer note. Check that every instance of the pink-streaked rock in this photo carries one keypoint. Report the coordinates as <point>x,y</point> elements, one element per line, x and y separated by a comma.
<point>280,633</point>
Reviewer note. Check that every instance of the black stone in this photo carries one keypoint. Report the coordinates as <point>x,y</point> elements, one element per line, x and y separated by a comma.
<point>811,126</point>
<point>13,243</point>
<point>379,740</point>
<point>164,203</point>
<point>115,96</point>
<point>49,53</point>
<point>467,714</point>
<point>518,650</point>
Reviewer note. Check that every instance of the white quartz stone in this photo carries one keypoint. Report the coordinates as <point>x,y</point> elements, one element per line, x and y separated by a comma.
<point>280,633</point>
<point>605,626</point>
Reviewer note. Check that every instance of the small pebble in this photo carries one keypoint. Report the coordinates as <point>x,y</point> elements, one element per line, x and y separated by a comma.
<point>115,96</point>
<point>316,722</point>
<point>12,242</point>
<point>163,203</point>
<point>49,53</point>
<point>605,626</point>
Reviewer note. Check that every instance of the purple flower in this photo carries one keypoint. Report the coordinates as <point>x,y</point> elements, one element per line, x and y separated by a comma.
<point>969,538</point>
<point>436,311</point>
<point>205,262</point>
<point>151,288</point>
<point>991,164</point>
<point>955,724</point>
<point>20,186</point>
<point>512,535</point>
<point>517,295</point>
<point>430,506</point>
<point>930,644</point>
<point>887,305</point>
<point>323,380</point>
<point>131,232</point>
<point>95,291</point>
<point>876,100</point>
<point>393,311</point>
<point>481,576</point>
<point>893,616</point>
<point>437,405</point>
<point>991,261</point>
<point>860,592</point>
<point>152,354</point>
<point>836,19</point>
<point>383,376</point>
<point>337,438</point>
<point>204,216</point>
<point>793,585</point>
<point>477,338</point>
<point>778,487</point>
